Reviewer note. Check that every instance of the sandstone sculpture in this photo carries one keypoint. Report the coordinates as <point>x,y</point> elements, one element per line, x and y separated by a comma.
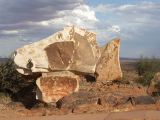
<point>65,55</point>
<point>108,66</point>
<point>70,49</point>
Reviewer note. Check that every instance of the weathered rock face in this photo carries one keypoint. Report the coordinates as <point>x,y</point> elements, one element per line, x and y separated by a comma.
<point>63,50</point>
<point>154,87</point>
<point>60,55</point>
<point>108,66</point>
<point>71,49</point>
<point>56,85</point>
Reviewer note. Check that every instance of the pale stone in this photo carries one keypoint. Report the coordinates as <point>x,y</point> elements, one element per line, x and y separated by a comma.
<point>108,67</point>
<point>56,85</point>
<point>70,49</point>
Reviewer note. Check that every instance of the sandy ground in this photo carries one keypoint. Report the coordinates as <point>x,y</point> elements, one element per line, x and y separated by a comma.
<point>133,115</point>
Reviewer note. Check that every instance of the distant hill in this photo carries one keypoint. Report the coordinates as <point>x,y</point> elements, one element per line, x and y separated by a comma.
<point>129,59</point>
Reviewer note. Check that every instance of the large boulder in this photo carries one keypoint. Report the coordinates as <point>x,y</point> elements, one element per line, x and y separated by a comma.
<point>70,49</point>
<point>108,67</point>
<point>56,85</point>
<point>65,56</point>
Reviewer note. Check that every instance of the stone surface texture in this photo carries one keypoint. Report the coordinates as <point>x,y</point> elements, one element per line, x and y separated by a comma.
<point>56,85</point>
<point>64,58</point>
<point>70,49</point>
<point>108,66</point>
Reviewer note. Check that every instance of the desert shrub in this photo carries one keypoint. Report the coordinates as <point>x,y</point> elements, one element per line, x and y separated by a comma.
<point>146,68</point>
<point>4,98</point>
<point>146,78</point>
<point>10,80</point>
<point>148,65</point>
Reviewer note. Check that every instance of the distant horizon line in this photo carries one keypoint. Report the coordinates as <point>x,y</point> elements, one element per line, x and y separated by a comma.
<point>122,58</point>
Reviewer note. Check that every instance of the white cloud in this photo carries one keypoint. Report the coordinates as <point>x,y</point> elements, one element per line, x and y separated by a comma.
<point>30,21</point>
<point>139,25</point>
<point>85,13</point>
<point>103,8</point>
<point>9,32</point>
<point>81,16</point>
<point>130,17</point>
<point>33,20</point>
<point>114,28</point>
<point>138,7</point>
<point>128,8</point>
<point>125,7</point>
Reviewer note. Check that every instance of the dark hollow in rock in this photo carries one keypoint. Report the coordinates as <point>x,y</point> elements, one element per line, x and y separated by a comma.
<point>90,78</point>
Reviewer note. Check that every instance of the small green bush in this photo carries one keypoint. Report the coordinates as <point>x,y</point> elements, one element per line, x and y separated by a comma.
<point>148,65</point>
<point>146,68</point>
<point>10,80</point>
<point>4,98</point>
<point>146,78</point>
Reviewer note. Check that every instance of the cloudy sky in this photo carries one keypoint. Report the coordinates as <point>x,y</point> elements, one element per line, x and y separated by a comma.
<point>136,22</point>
